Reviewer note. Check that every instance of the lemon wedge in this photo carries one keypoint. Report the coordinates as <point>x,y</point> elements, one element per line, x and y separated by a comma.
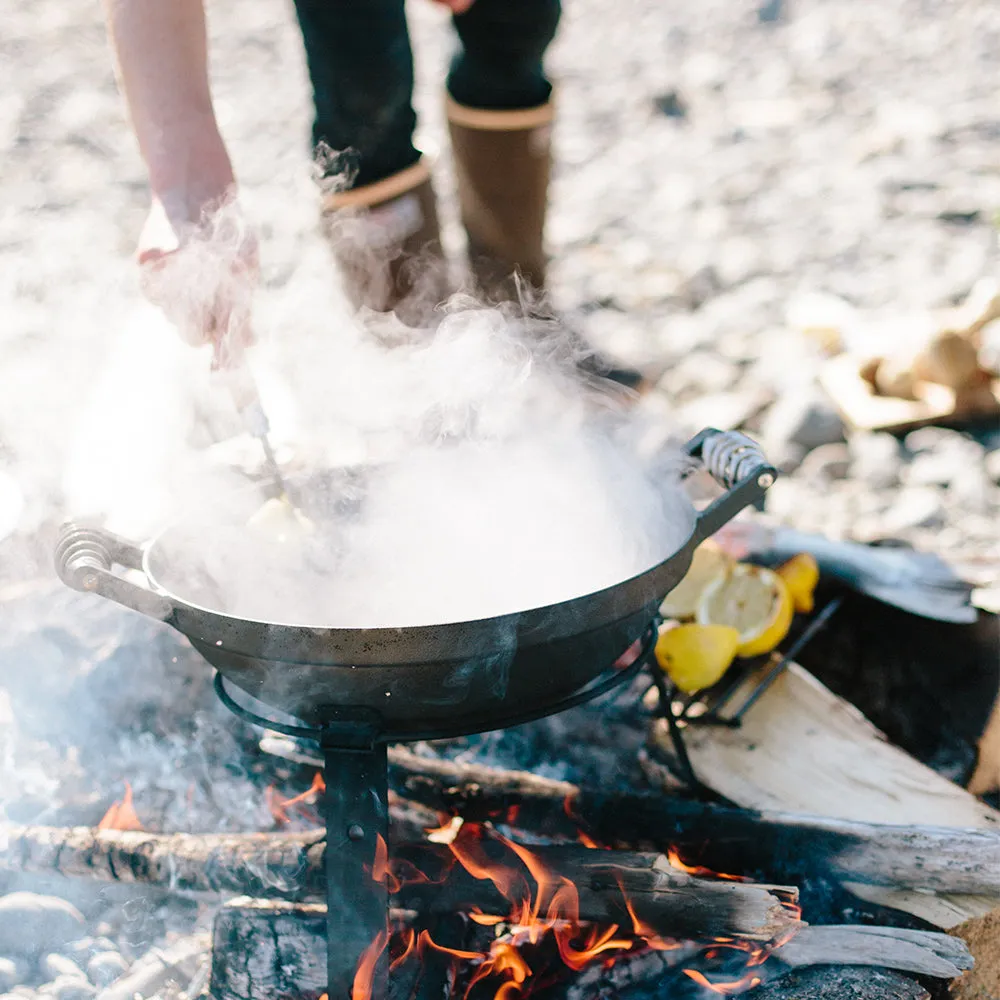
<point>695,657</point>
<point>753,600</point>
<point>708,564</point>
<point>801,574</point>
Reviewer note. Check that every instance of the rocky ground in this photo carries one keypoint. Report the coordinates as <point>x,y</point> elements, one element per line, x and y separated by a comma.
<point>719,166</point>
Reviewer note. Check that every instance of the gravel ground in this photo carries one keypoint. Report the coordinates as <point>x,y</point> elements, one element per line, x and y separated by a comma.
<point>716,171</point>
<point>713,169</point>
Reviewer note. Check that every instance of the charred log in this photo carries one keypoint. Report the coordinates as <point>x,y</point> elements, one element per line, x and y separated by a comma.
<point>784,845</point>
<point>286,944</point>
<point>278,866</point>
<point>291,867</point>
<point>672,902</point>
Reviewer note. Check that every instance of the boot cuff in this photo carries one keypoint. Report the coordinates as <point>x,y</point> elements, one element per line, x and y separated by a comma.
<point>486,120</point>
<point>381,191</point>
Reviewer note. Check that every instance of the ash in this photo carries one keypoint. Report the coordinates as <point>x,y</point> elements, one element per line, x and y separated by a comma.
<point>596,744</point>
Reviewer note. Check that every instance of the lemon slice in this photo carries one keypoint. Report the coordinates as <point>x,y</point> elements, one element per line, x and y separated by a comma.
<point>708,564</point>
<point>754,601</point>
<point>695,657</point>
<point>801,574</point>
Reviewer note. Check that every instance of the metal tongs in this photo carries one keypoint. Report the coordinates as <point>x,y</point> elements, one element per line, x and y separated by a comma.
<point>243,389</point>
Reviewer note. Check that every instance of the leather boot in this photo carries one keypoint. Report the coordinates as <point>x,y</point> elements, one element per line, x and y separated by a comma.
<point>502,163</point>
<point>387,245</point>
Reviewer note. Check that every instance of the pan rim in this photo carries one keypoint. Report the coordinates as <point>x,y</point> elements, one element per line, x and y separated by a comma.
<point>541,612</point>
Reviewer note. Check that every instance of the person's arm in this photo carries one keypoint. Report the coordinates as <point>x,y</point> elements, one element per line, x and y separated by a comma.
<point>161,53</point>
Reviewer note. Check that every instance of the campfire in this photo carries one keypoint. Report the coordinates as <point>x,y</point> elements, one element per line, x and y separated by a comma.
<point>393,872</point>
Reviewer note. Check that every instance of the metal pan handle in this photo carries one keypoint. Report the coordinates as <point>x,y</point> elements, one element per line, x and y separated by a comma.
<point>84,558</point>
<point>738,465</point>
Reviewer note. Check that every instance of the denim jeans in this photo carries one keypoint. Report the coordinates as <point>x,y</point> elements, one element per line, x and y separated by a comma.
<point>361,67</point>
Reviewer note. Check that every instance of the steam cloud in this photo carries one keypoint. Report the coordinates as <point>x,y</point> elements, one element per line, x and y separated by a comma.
<point>492,479</point>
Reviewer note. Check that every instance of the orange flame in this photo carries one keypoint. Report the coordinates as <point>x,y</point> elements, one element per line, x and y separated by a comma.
<point>121,815</point>
<point>583,837</point>
<point>675,861</point>
<point>642,930</point>
<point>364,977</point>
<point>425,941</point>
<point>411,945</point>
<point>726,989</point>
<point>541,903</point>
<point>380,866</point>
<point>279,806</point>
<point>473,859</point>
<point>598,941</point>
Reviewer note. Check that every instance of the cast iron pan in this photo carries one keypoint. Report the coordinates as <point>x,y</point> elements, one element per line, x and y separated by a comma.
<point>460,677</point>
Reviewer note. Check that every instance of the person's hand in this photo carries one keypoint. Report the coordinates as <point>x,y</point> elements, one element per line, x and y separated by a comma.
<point>456,6</point>
<point>200,265</point>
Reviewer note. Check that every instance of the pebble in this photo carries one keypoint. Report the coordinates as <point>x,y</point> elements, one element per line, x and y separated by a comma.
<point>68,988</point>
<point>934,468</point>
<point>85,948</point>
<point>105,967</point>
<point>33,924</point>
<point>933,439</point>
<point>916,507</point>
<point>826,463</point>
<point>804,418</point>
<point>701,372</point>
<point>785,498</point>
<point>55,965</point>
<point>876,459</point>
<point>671,104</point>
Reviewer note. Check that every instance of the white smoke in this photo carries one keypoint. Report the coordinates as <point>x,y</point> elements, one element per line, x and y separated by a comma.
<point>493,479</point>
<point>491,483</point>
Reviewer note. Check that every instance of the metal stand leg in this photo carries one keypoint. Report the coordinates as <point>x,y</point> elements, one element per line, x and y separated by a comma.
<point>357,919</point>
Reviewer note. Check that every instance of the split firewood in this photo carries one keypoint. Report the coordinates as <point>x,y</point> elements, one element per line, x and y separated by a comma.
<point>926,953</point>
<point>288,942</point>
<point>290,866</point>
<point>802,747</point>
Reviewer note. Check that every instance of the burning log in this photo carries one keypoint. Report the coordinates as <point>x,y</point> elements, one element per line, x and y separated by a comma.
<point>288,945</point>
<point>672,902</point>
<point>290,866</point>
<point>783,844</point>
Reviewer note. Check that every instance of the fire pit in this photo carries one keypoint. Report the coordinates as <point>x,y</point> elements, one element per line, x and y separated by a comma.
<point>356,690</point>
